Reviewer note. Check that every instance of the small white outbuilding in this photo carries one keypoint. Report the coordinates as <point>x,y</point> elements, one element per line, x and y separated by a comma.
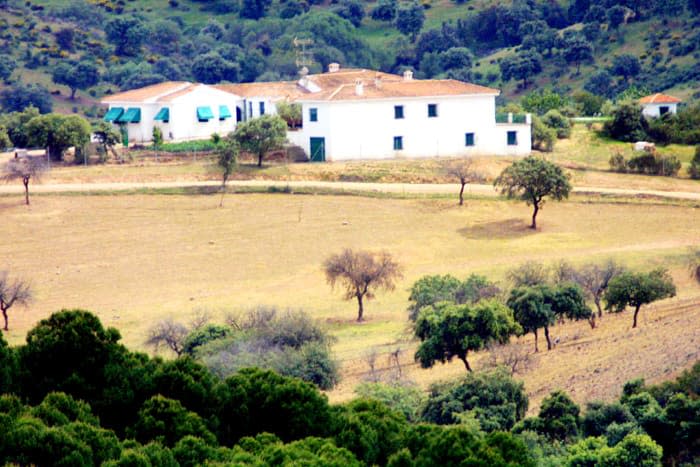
<point>658,105</point>
<point>182,110</point>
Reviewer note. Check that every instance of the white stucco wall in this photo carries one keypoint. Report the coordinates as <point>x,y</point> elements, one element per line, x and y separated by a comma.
<point>654,110</point>
<point>183,124</point>
<point>365,129</point>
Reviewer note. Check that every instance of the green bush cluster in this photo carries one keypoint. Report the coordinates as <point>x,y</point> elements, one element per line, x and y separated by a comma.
<point>648,163</point>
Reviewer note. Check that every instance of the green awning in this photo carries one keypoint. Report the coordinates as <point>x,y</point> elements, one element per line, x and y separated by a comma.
<point>113,114</point>
<point>132,115</point>
<point>224,112</point>
<point>163,115</point>
<point>204,113</point>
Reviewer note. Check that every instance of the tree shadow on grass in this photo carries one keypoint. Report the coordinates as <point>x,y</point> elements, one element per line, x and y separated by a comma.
<point>503,229</point>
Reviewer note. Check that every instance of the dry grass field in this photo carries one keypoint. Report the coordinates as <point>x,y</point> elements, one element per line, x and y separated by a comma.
<point>136,259</point>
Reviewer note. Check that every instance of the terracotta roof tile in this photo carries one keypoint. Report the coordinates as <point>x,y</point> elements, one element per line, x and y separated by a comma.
<point>659,98</point>
<point>152,92</point>
<point>401,88</point>
<point>288,90</point>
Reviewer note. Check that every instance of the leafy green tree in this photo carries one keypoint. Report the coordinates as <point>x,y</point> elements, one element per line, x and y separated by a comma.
<point>532,180</point>
<point>254,9</point>
<point>359,425</point>
<point>493,397</point>
<point>635,449</point>
<point>8,370</point>
<point>18,97</point>
<point>261,135</point>
<point>65,38</point>
<point>58,133</point>
<point>410,19</point>
<point>76,75</point>
<point>521,66</point>
<point>588,103</point>
<point>167,421</point>
<point>543,137</point>
<point>616,16</point>
<point>107,137</point>
<point>406,399</point>
<point>532,311</point>
<point>447,330</point>
<point>627,124</point>
<point>577,50</point>
<point>164,36</point>
<point>290,113</point>
<point>694,169</point>
<point>203,335</point>
<point>351,10</point>
<point>59,409</point>
<point>542,101</point>
<point>227,160</point>
<point>600,83</point>
<point>7,66</point>
<point>5,141</point>
<point>559,123</point>
<point>362,273</point>
<point>127,34</point>
<point>568,301</point>
<point>211,68</point>
<point>558,418</point>
<point>600,415</point>
<point>385,10</point>
<point>256,401</point>
<point>637,289</point>
<point>626,65</point>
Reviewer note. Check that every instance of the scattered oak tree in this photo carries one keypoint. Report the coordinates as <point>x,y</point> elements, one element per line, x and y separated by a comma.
<point>57,133</point>
<point>636,289</point>
<point>595,279</point>
<point>447,330</point>
<point>462,170</point>
<point>227,158</point>
<point>261,135</point>
<point>429,290</point>
<point>170,334</point>
<point>533,179</point>
<point>23,168</point>
<point>12,292</point>
<point>80,75</point>
<point>531,311</point>
<point>362,273</point>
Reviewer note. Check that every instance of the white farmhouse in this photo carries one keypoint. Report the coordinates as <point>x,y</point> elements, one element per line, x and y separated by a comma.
<point>658,105</point>
<point>346,114</point>
<point>182,110</point>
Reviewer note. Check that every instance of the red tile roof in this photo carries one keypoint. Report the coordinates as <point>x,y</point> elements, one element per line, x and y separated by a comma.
<point>659,98</point>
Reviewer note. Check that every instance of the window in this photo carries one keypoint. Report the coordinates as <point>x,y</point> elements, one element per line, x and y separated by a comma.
<point>663,110</point>
<point>469,139</point>
<point>432,110</point>
<point>313,114</point>
<point>398,111</point>
<point>512,138</point>
<point>262,108</point>
<point>398,143</point>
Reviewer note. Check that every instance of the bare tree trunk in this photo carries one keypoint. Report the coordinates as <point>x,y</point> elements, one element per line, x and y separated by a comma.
<point>535,333</point>
<point>360,308</point>
<point>534,216</point>
<point>461,194</point>
<point>591,321</point>
<point>260,158</point>
<point>466,363</point>
<point>549,341</point>
<point>597,304</point>
<point>636,311</point>
<point>4,315</point>
<point>25,181</point>
<point>223,192</point>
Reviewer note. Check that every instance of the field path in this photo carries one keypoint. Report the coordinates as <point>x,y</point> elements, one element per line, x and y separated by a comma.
<point>407,188</point>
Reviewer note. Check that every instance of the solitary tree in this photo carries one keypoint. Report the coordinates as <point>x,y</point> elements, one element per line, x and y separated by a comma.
<point>448,330</point>
<point>80,75</point>
<point>636,289</point>
<point>168,333</point>
<point>531,311</point>
<point>261,135</point>
<point>521,66</point>
<point>694,264</point>
<point>533,179</point>
<point>23,168</point>
<point>595,278</point>
<point>226,161</point>
<point>13,292</point>
<point>577,50</point>
<point>362,273</point>
<point>58,132</point>
<point>410,19</point>
<point>462,169</point>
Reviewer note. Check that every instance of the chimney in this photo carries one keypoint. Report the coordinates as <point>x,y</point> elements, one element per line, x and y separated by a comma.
<point>408,75</point>
<point>378,81</point>
<point>359,88</point>
<point>333,67</point>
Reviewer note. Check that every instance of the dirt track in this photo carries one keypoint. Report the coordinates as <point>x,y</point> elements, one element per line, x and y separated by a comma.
<point>412,188</point>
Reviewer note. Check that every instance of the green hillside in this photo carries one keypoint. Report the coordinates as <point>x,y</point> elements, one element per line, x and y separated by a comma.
<point>103,46</point>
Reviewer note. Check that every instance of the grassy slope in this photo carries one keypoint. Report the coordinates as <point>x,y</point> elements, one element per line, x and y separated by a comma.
<point>137,259</point>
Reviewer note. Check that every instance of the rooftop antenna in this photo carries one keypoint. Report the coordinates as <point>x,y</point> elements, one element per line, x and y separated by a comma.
<point>303,56</point>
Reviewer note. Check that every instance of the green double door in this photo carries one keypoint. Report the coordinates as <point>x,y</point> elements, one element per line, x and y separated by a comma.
<point>318,149</point>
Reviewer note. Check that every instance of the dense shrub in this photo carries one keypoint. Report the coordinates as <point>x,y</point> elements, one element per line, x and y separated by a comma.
<point>694,169</point>
<point>555,120</point>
